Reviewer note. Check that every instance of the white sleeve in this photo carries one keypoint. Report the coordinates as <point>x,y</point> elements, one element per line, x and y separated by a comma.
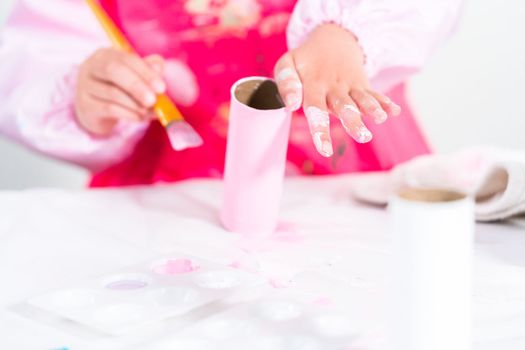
<point>41,47</point>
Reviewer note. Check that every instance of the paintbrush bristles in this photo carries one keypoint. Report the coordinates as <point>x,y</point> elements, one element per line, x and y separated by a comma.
<point>182,136</point>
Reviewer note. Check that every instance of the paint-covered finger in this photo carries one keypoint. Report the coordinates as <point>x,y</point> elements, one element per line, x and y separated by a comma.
<point>319,123</point>
<point>386,103</point>
<point>289,82</point>
<point>318,118</point>
<point>342,105</point>
<point>369,106</point>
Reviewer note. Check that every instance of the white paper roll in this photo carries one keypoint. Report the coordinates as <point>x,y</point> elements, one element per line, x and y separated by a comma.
<point>430,299</point>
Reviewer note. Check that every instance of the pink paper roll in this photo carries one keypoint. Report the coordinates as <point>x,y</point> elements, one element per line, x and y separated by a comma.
<point>255,157</point>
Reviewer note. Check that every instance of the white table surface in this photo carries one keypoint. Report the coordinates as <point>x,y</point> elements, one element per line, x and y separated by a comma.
<point>53,238</point>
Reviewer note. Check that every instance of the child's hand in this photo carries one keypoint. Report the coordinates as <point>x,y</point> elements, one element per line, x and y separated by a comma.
<point>114,85</point>
<point>326,75</point>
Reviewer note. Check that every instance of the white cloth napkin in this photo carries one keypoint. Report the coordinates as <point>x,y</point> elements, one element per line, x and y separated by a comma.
<point>494,177</point>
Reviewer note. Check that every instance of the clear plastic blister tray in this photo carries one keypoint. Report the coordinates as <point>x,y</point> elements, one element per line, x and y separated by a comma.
<point>268,324</point>
<point>145,293</point>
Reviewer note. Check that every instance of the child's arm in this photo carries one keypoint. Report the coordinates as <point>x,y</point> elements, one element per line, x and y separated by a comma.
<point>344,52</point>
<point>41,49</point>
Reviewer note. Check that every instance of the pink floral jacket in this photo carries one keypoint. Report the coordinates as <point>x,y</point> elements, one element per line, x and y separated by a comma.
<point>209,44</point>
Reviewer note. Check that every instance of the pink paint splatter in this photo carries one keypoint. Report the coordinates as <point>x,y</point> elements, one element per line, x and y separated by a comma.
<point>250,266</point>
<point>286,232</point>
<point>175,267</point>
<point>280,283</point>
<point>236,265</point>
<point>323,301</point>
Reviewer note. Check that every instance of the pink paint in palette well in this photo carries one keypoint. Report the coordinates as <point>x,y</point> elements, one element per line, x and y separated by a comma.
<point>174,267</point>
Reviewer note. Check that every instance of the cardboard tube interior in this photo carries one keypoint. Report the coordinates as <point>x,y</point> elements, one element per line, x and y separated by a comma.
<point>430,195</point>
<point>259,94</point>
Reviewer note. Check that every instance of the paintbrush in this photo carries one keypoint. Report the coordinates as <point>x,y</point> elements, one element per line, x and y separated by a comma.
<point>180,133</point>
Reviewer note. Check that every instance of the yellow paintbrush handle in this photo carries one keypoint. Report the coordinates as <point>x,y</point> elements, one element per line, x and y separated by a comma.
<point>165,109</point>
<point>115,35</point>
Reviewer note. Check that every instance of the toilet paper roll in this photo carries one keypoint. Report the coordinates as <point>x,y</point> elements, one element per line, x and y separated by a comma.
<point>432,244</point>
<point>255,157</point>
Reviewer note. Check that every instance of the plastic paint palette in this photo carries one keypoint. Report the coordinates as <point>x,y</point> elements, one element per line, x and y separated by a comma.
<point>268,324</point>
<point>145,293</point>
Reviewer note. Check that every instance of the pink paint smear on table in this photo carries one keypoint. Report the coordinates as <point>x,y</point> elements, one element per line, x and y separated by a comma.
<point>281,283</point>
<point>284,233</point>
<point>252,267</point>
<point>323,301</point>
<point>175,267</point>
<point>277,283</point>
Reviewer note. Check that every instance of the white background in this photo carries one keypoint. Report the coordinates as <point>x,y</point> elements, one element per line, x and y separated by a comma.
<point>470,93</point>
